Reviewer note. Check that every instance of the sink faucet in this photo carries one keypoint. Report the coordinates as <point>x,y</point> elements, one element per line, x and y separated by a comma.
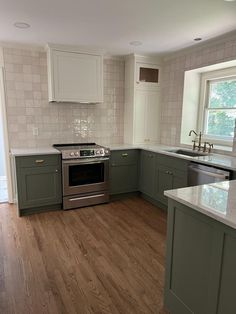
<point>199,146</point>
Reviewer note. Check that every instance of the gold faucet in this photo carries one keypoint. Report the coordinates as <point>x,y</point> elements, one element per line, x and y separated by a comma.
<point>199,146</point>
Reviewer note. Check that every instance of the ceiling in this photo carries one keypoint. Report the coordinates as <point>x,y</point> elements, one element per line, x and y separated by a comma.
<point>161,25</point>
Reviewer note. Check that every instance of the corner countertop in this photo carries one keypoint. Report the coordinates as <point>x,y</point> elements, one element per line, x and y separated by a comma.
<point>34,151</point>
<point>216,200</point>
<point>222,161</point>
<point>218,160</point>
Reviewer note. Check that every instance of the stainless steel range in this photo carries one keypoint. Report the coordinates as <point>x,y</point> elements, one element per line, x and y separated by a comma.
<point>85,171</point>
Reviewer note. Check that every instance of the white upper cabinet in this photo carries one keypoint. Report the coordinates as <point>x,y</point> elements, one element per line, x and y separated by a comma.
<point>142,100</point>
<point>74,76</point>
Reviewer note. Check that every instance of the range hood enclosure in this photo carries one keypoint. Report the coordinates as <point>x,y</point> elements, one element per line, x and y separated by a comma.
<point>74,75</point>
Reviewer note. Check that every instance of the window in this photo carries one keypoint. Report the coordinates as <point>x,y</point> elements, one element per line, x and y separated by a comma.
<point>217,117</point>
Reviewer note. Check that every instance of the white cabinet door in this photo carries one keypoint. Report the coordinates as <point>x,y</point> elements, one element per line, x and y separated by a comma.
<point>140,111</point>
<point>76,77</point>
<point>147,115</point>
<point>152,116</point>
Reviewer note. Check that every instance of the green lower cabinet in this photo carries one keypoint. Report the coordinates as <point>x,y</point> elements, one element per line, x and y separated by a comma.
<point>124,179</point>
<point>147,173</point>
<point>159,173</point>
<point>164,181</point>
<point>170,173</point>
<point>227,290</point>
<point>38,182</point>
<point>124,171</point>
<point>200,263</point>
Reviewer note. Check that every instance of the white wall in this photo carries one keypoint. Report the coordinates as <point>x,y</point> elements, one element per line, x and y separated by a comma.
<point>174,67</point>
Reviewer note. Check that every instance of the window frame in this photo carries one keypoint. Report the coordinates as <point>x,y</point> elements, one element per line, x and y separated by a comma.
<point>206,77</point>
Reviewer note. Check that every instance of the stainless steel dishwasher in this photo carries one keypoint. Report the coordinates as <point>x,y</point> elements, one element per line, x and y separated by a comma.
<point>200,174</point>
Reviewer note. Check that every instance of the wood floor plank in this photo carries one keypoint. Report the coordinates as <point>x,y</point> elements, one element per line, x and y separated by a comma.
<point>104,259</point>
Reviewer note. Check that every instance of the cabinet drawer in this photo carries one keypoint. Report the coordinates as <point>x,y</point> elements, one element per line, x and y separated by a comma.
<point>124,157</point>
<point>172,162</point>
<point>172,171</point>
<point>38,161</point>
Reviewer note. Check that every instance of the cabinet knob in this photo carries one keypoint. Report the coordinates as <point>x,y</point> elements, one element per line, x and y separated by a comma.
<point>56,170</point>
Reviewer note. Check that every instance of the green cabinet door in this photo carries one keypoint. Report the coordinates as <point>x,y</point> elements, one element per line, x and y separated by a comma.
<point>227,300</point>
<point>164,181</point>
<point>171,173</point>
<point>193,263</point>
<point>124,171</point>
<point>124,178</point>
<point>147,173</point>
<point>39,186</point>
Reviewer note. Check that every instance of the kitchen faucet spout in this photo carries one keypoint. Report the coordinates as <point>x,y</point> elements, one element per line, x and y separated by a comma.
<point>192,131</point>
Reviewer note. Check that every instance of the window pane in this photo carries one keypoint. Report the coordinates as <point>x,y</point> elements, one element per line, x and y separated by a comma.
<point>220,122</point>
<point>222,94</point>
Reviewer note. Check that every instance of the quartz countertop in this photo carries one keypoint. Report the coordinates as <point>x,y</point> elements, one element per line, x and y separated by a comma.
<point>34,151</point>
<point>216,200</point>
<point>222,161</point>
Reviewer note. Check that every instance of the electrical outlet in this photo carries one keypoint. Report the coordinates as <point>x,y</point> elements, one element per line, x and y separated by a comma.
<point>35,131</point>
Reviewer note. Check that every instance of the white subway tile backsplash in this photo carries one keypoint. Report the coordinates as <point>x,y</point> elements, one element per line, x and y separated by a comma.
<point>28,106</point>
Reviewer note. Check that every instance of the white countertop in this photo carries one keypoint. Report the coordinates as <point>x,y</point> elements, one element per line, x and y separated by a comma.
<point>222,161</point>
<point>34,151</point>
<point>216,200</point>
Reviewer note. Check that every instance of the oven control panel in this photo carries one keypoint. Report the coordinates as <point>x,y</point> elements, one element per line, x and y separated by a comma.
<point>85,153</point>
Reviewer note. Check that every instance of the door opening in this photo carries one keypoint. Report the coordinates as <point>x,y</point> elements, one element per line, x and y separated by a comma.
<point>3,169</point>
<point>6,191</point>
<point>3,175</point>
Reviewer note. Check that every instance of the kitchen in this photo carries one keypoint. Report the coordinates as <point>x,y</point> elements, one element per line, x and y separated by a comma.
<point>111,256</point>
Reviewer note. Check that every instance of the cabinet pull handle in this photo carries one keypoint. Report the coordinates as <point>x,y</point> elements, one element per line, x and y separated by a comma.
<point>124,155</point>
<point>113,165</point>
<point>39,161</point>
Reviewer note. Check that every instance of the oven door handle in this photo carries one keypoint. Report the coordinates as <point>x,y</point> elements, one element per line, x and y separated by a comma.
<point>84,161</point>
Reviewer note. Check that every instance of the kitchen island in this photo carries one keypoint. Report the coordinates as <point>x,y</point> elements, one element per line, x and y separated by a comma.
<point>201,249</point>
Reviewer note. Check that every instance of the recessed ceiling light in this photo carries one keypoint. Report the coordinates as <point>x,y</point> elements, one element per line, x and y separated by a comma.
<point>229,0</point>
<point>21,25</point>
<point>135,43</point>
<point>198,39</point>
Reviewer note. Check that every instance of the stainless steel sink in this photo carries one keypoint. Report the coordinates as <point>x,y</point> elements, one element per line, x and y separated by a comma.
<point>186,152</point>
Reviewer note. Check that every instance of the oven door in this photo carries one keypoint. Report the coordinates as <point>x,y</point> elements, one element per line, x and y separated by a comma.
<point>85,175</point>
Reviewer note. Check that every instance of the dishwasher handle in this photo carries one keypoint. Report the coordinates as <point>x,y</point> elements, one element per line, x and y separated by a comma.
<point>211,174</point>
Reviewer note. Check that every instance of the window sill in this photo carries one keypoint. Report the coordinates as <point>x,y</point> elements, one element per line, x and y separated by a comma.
<point>223,148</point>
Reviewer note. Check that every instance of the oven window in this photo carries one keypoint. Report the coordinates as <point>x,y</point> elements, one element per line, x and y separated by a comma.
<point>86,174</point>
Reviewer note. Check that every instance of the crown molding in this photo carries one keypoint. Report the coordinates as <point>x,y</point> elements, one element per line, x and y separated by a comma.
<point>17,45</point>
<point>203,45</point>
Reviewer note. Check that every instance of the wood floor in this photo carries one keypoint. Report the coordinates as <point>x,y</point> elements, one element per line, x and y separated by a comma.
<point>103,259</point>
